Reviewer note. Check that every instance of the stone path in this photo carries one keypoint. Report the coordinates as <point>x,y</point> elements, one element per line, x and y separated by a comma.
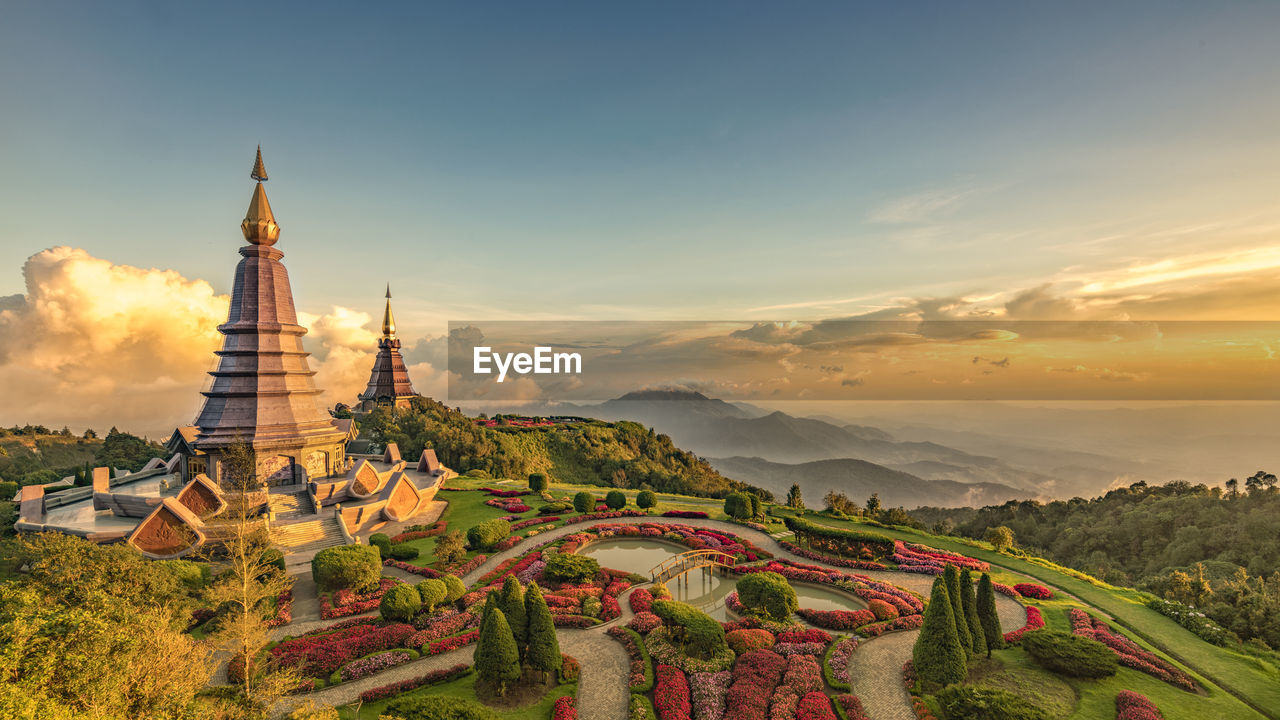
<point>875,667</point>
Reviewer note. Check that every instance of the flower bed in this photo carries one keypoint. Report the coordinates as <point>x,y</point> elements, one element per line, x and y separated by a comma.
<point>589,517</point>
<point>692,537</point>
<point>366,666</point>
<point>708,691</point>
<point>495,492</point>
<point>830,559</point>
<point>794,649</point>
<point>565,709</point>
<point>912,557</point>
<point>452,643</point>
<point>434,677</point>
<point>573,621</point>
<point>534,521</point>
<point>320,655</point>
<point>1005,590</point>
<point>1133,706</point>
<point>645,622</point>
<point>641,678</point>
<point>748,639</point>
<point>451,622</point>
<point>837,619</point>
<point>1033,591</point>
<point>815,706</point>
<point>1035,621</point>
<point>838,662</point>
<point>467,566</point>
<point>917,703</point>
<point>671,694</point>
<point>284,609</point>
<point>906,622</point>
<point>360,603</point>
<point>664,651</point>
<point>507,543</point>
<point>851,707</point>
<point>437,529</point>
<point>1130,653</point>
<point>862,586</point>
<point>756,675</point>
<point>414,569</point>
<point>686,514</point>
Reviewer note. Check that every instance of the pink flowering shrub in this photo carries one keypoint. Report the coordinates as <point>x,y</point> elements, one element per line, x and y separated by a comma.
<point>839,659</point>
<point>1033,591</point>
<point>911,557</point>
<point>815,706</point>
<point>641,600</point>
<point>1133,706</point>
<point>809,635</point>
<point>442,626</point>
<point>320,655</point>
<point>401,565</point>
<point>794,649</point>
<point>755,676</point>
<point>1035,621</point>
<point>837,619</point>
<point>1129,653</point>
<point>830,559</point>
<point>645,622</point>
<point>883,610</point>
<point>708,691</point>
<point>402,686</point>
<point>852,707</point>
<point>452,642</point>
<point>565,709</point>
<point>364,667</point>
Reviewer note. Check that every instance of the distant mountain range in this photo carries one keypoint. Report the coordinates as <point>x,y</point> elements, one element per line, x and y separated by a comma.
<point>948,454</point>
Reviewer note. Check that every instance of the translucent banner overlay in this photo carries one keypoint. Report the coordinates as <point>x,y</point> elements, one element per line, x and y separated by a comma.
<point>866,360</point>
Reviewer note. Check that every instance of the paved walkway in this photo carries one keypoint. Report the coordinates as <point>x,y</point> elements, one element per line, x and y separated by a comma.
<point>874,668</point>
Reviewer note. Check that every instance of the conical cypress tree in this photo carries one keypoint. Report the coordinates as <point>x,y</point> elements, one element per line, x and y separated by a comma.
<point>987,615</point>
<point>957,607</point>
<point>496,658</point>
<point>512,604</point>
<point>544,646</point>
<point>970,603</point>
<point>938,655</point>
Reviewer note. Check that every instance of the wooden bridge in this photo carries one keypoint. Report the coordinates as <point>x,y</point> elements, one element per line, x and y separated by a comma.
<point>682,564</point>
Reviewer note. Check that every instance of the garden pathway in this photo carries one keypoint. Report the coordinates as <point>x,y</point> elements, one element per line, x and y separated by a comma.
<point>875,666</point>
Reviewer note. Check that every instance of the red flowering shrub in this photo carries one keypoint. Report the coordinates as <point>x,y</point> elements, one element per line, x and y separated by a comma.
<point>755,676</point>
<point>507,543</point>
<point>1033,591</point>
<point>432,678</point>
<point>1133,706</point>
<point>645,622</point>
<point>882,610</point>
<point>810,635</point>
<point>685,514</point>
<point>401,565</point>
<point>852,707</point>
<point>576,621</point>
<point>1129,653</point>
<point>318,656</point>
<point>746,640</point>
<point>437,529</point>
<point>641,601</point>
<point>1035,621</point>
<point>671,694</point>
<point>837,619</point>
<point>452,643</point>
<point>564,709</point>
<point>533,521</point>
<point>815,706</point>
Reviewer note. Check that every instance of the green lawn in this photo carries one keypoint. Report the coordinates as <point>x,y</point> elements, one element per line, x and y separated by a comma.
<point>463,687</point>
<point>1244,675</point>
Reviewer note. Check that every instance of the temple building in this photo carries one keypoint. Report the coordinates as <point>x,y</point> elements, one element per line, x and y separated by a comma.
<point>263,392</point>
<point>389,382</point>
<point>305,488</point>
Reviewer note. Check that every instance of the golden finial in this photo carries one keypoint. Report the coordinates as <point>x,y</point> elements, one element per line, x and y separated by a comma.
<point>388,320</point>
<point>259,172</point>
<point>259,225</point>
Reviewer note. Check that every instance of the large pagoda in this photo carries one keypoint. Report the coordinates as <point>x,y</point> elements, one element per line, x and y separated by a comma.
<point>263,393</point>
<point>389,380</point>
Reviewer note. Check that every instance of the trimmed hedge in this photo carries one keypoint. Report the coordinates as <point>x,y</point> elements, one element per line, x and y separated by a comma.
<point>347,566</point>
<point>699,634</point>
<point>1073,655</point>
<point>984,703</point>
<point>845,542</point>
<point>768,594</point>
<point>485,535</point>
<point>569,567</point>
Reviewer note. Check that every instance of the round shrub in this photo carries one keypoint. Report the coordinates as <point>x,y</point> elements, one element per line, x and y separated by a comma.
<point>615,500</point>
<point>347,566</point>
<point>488,533</point>
<point>646,499</point>
<point>749,639</point>
<point>404,552</point>
<point>571,568</point>
<point>555,508</point>
<point>767,594</point>
<point>439,707</point>
<point>984,703</point>
<point>537,482</point>
<point>1071,655</point>
<point>584,502</point>
<point>382,542</point>
<point>432,592</point>
<point>454,588</point>
<point>699,634</point>
<point>400,603</point>
<point>737,505</point>
<point>882,610</point>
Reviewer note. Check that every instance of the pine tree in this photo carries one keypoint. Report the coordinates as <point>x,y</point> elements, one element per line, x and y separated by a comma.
<point>938,656</point>
<point>496,658</point>
<point>544,647</point>
<point>957,607</point>
<point>970,603</point>
<point>987,615</point>
<point>512,604</point>
<point>794,498</point>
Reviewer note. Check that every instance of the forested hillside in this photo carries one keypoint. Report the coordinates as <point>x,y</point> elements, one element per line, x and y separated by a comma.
<point>1217,551</point>
<point>34,454</point>
<point>622,454</point>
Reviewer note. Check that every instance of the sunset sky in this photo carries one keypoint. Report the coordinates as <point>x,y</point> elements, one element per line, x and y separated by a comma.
<point>661,161</point>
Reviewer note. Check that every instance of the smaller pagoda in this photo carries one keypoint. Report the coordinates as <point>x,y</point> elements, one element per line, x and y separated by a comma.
<point>389,382</point>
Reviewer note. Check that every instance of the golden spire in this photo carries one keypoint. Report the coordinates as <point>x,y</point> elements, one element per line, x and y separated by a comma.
<point>388,320</point>
<point>259,225</point>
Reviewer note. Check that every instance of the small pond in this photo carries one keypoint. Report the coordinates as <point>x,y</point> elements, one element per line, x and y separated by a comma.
<point>706,591</point>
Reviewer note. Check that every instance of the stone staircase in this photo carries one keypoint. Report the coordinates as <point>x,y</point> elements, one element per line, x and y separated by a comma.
<point>307,536</point>
<point>290,506</point>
